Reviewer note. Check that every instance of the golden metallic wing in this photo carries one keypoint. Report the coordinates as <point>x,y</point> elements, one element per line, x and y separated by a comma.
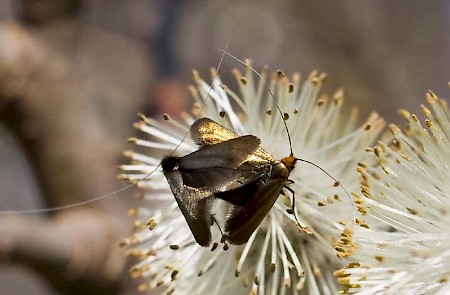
<point>206,132</point>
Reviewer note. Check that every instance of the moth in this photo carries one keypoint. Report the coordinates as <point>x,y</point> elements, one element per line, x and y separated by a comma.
<point>229,167</point>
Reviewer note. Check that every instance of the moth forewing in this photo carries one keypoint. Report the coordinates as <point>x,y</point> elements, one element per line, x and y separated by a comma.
<point>228,154</point>
<point>253,201</point>
<point>194,203</point>
<point>206,132</point>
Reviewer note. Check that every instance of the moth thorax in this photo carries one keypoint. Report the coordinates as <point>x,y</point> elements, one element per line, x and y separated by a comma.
<point>289,162</point>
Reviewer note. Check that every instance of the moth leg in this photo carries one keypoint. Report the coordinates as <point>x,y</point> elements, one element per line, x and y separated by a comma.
<point>223,239</point>
<point>294,212</point>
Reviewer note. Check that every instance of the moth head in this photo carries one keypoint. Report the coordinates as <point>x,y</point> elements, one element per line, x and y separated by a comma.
<point>170,163</point>
<point>289,162</point>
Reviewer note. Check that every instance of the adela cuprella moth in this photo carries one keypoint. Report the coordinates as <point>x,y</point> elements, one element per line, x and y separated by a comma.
<point>229,167</point>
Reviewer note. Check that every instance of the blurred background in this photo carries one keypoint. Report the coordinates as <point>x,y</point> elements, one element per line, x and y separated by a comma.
<point>74,74</point>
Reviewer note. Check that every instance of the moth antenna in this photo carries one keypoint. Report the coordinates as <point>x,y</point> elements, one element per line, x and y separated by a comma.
<point>224,51</point>
<point>69,206</point>
<point>336,181</point>
<point>58,208</point>
<point>287,129</point>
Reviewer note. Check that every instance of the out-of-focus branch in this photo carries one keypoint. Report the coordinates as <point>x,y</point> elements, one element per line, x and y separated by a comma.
<point>74,91</point>
<point>77,250</point>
